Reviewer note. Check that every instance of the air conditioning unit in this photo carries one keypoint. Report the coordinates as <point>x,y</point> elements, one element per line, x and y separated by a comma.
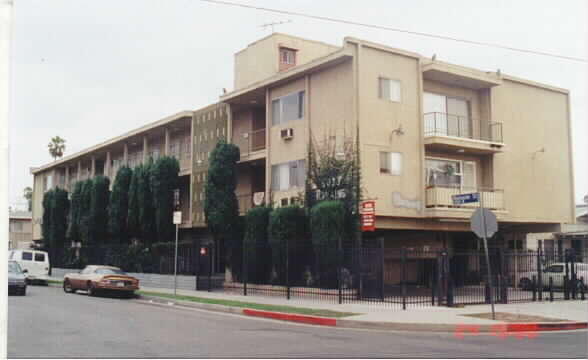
<point>287,134</point>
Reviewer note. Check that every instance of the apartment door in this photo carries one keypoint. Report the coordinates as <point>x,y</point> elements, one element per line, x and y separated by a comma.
<point>458,119</point>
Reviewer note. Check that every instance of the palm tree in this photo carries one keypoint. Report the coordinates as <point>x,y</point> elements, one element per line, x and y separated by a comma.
<point>28,194</point>
<point>56,147</point>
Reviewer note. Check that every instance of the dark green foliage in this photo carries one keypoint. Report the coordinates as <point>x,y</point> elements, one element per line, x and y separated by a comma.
<point>133,228</point>
<point>290,243</point>
<point>74,217</point>
<point>99,197</point>
<point>84,211</point>
<point>146,219</point>
<point>327,222</point>
<point>119,206</point>
<point>59,212</point>
<point>164,180</point>
<point>46,225</point>
<point>256,249</point>
<point>221,208</point>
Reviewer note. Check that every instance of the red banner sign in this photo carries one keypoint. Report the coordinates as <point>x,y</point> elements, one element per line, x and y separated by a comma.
<point>368,216</point>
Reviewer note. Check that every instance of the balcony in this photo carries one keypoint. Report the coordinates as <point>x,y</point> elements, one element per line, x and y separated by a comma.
<point>251,144</point>
<point>439,202</point>
<point>447,132</point>
<point>245,203</point>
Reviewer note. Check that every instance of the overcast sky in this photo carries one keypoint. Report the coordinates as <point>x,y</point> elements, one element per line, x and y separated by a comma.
<point>91,70</point>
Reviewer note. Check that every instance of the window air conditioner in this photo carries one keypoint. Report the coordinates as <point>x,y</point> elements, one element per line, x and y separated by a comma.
<point>287,134</point>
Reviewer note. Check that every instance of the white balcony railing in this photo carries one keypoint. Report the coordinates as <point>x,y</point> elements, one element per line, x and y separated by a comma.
<point>441,196</point>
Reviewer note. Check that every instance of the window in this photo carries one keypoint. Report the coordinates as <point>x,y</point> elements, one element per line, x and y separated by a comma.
<point>287,56</point>
<point>288,175</point>
<point>27,255</point>
<point>446,115</point>
<point>389,89</point>
<point>40,257</point>
<point>16,226</point>
<point>391,163</point>
<point>289,107</point>
<point>451,173</point>
<point>154,154</point>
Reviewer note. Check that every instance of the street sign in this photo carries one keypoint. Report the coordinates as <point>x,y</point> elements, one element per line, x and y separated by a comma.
<point>483,217</point>
<point>368,216</point>
<point>177,217</point>
<point>465,198</point>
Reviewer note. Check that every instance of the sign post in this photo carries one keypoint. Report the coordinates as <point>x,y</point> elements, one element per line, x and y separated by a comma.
<point>484,225</point>
<point>177,221</point>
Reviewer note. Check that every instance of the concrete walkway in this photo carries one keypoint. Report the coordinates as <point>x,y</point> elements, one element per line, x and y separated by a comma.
<point>423,317</point>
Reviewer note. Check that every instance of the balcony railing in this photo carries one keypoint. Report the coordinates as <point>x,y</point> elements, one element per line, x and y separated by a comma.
<point>245,203</point>
<point>441,196</point>
<point>250,142</point>
<point>442,124</point>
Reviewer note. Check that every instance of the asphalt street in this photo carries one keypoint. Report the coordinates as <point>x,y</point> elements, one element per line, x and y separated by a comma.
<point>49,323</point>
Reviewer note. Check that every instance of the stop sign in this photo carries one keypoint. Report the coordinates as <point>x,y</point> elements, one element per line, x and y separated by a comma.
<point>483,217</point>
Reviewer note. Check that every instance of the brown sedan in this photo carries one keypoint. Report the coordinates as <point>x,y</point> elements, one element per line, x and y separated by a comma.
<point>96,278</point>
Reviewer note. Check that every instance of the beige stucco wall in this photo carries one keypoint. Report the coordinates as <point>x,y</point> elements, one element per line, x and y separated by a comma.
<point>537,185</point>
<point>260,59</point>
<point>378,118</point>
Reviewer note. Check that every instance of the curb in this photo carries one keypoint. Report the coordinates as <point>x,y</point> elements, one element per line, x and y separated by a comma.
<point>498,329</point>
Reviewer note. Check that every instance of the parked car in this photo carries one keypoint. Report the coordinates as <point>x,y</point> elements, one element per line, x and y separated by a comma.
<point>35,262</point>
<point>16,279</point>
<point>96,278</point>
<point>557,271</point>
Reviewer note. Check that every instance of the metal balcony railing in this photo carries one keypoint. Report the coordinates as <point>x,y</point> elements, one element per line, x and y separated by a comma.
<point>443,124</point>
<point>441,196</point>
<point>250,142</point>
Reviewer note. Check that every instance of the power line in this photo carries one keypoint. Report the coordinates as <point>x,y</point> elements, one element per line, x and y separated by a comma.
<point>388,28</point>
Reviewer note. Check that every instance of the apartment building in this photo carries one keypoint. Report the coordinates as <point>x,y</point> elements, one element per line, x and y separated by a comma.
<point>20,235</point>
<point>426,130</point>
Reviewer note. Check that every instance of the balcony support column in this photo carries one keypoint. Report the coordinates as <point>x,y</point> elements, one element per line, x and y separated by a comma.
<point>126,154</point>
<point>166,146</point>
<point>79,174</point>
<point>66,182</point>
<point>107,165</point>
<point>145,149</point>
<point>93,167</point>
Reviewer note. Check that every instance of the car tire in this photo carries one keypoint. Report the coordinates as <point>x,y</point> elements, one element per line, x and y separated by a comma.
<point>525,284</point>
<point>91,289</point>
<point>67,288</point>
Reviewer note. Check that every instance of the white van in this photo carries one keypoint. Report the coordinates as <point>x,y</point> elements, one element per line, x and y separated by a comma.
<point>35,262</point>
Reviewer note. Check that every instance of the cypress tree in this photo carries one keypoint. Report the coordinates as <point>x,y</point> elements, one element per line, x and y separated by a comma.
<point>119,206</point>
<point>133,228</point>
<point>221,209</point>
<point>84,212</point>
<point>60,208</point>
<point>74,218</point>
<point>46,230</point>
<point>99,209</point>
<point>164,180</point>
<point>146,213</point>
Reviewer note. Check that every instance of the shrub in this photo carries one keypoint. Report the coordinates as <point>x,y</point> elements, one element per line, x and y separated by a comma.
<point>164,180</point>
<point>289,242</point>
<point>256,250</point>
<point>119,206</point>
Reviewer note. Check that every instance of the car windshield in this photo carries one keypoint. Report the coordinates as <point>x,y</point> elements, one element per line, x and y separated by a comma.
<point>105,271</point>
<point>14,267</point>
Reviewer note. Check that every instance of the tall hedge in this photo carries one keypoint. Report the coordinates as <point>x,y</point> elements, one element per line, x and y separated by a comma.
<point>146,218</point>
<point>327,226</point>
<point>290,243</point>
<point>74,217</point>
<point>84,211</point>
<point>59,212</point>
<point>119,206</point>
<point>221,209</point>
<point>99,198</point>
<point>256,249</point>
<point>47,216</point>
<point>133,227</point>
<point>164,180</point>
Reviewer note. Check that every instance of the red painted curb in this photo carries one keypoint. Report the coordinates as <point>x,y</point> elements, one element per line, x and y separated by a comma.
<point>534,327</point>
<point>313,320</point>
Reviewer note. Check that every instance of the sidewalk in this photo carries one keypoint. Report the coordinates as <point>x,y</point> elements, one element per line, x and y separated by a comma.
<point>559,315</point>
<point>431,318</point>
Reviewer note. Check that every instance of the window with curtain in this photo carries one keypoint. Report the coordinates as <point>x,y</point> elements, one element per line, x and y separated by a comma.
<point>288,175</point>
<point>287,108</point>
<point>451,173</point>
<point>389,89</point>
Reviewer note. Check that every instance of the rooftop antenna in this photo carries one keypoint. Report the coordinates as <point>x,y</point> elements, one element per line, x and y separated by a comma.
<point>265,26</point>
